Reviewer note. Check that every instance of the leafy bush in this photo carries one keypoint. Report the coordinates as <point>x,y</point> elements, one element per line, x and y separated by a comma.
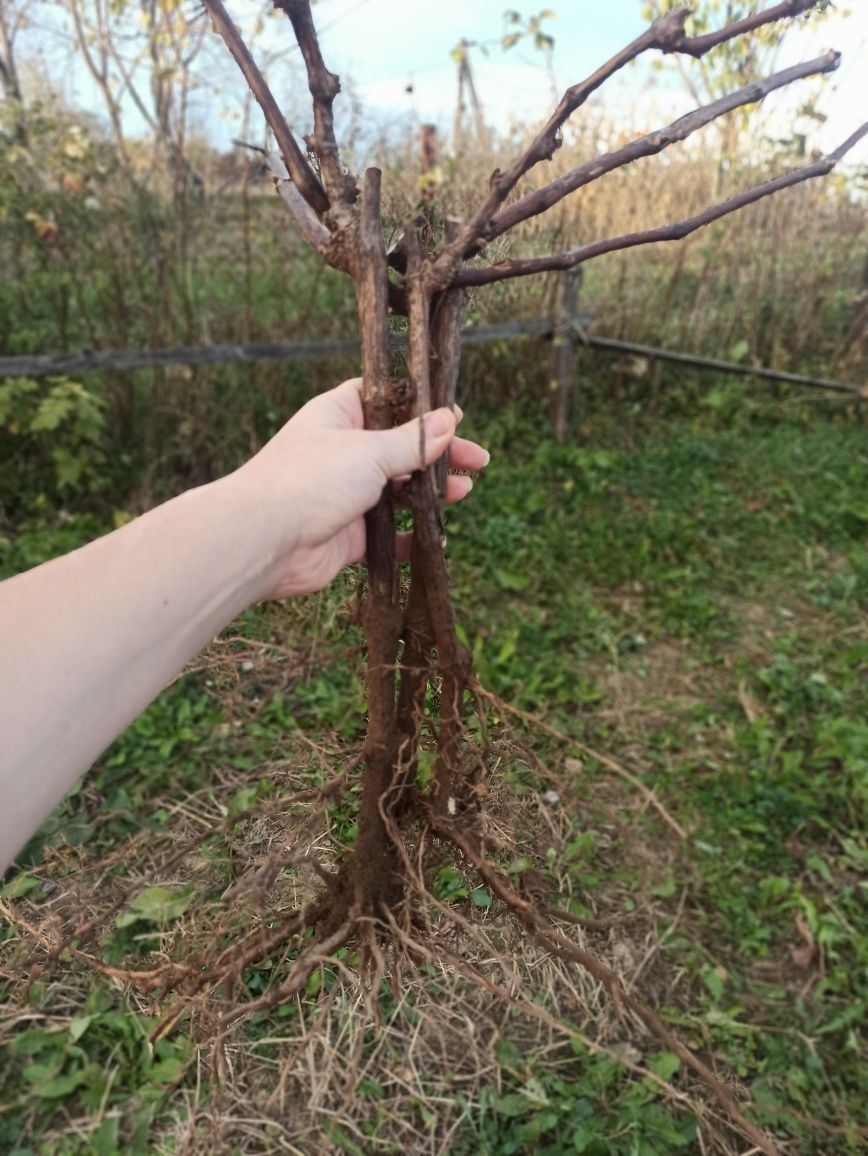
<point>51,432</point>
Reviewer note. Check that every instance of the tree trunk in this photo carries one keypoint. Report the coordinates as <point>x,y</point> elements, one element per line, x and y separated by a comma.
<point>422,629</point>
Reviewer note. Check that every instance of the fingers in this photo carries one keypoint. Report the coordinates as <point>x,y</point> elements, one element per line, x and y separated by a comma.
<point>467,455</point>
<point>458,486</point>
<point>407,448</point>
<point>338,408</point>
<point>438,431</point>
<point>341,408</point>
<point>406,451</point>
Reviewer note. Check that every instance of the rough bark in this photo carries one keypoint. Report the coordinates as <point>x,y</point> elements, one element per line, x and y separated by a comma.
<point>372,869</point>
<point>324,87</point>
<point>302,174</point>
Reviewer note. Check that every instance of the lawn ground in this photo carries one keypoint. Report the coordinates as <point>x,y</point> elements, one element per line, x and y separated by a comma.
<point>668,616</point>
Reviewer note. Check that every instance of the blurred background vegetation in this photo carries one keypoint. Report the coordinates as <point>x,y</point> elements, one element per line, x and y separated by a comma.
<point>112,241</point>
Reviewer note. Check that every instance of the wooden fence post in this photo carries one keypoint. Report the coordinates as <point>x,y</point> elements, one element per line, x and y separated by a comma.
<point>564,351</point>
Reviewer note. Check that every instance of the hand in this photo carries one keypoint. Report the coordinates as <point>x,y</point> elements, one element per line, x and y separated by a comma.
<point>325,471</point>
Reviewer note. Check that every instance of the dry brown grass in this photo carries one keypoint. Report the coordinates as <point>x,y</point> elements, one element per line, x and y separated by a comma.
<point>426,1033</point>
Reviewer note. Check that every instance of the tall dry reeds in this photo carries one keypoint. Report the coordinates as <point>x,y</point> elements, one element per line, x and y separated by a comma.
<point>782,283</point>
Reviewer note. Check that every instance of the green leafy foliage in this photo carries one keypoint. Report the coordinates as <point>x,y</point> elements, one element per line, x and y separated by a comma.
<point>157,905</point>
<point>100,1059</point>
<point>741,544</point>
<point>582,1104</point>
<point>51,441</point>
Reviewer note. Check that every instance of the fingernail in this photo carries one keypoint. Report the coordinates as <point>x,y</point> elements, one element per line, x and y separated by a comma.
<point>487,458</point>
<point>468,484</point>
<point>439,422</point>
<point>458,411</point>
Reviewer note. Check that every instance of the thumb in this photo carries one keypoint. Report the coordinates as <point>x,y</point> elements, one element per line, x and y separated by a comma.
<point>407,447</point>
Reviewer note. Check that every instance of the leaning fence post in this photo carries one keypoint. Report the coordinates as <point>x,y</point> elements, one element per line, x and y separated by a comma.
<point>564,339</point>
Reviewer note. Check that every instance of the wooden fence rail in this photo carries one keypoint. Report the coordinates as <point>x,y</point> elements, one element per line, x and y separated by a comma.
<point>89,361</point>
<point>738,368</point>
<point>572,334</point>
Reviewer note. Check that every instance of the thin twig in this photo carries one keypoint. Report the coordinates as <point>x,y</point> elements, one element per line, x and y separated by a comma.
<point>605,760</point>
<point>318,952</point>
<point>565,949</point>
<point>302,174</point>
<point>698,45</point>
<point>440,952</point>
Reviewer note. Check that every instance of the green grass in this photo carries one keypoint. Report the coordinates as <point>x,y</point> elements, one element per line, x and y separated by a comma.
<point>746,548</point>
<point>686,594</point>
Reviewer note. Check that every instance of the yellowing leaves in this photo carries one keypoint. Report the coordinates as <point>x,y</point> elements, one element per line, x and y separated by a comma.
<point>74,146</point>
<point>45,227</point>
<point>73,183</point>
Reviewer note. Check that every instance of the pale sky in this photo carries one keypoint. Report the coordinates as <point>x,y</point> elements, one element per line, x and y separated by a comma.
<point>382,47</point>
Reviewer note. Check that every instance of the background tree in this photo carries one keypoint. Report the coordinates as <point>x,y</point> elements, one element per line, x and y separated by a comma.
<point>735,62</point>
<point>13,17</point>
<point>10,21</point>
<point>170,39</point>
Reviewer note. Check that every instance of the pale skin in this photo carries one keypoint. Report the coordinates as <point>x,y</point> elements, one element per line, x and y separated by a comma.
<point>90,639</point>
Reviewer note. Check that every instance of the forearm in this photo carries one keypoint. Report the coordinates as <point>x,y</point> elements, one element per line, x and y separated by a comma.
<point>87,641</point>
<point>146,598</point>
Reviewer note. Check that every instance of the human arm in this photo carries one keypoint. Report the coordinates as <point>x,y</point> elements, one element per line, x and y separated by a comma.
<point>91,638</point>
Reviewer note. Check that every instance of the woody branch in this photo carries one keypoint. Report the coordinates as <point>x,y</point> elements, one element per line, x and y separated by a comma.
<point>324,87</point>
<point>303,176</point>
<point>505,270</point>
<point>652,143</point>
<point>667,35</point>
<point>698,45</point>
